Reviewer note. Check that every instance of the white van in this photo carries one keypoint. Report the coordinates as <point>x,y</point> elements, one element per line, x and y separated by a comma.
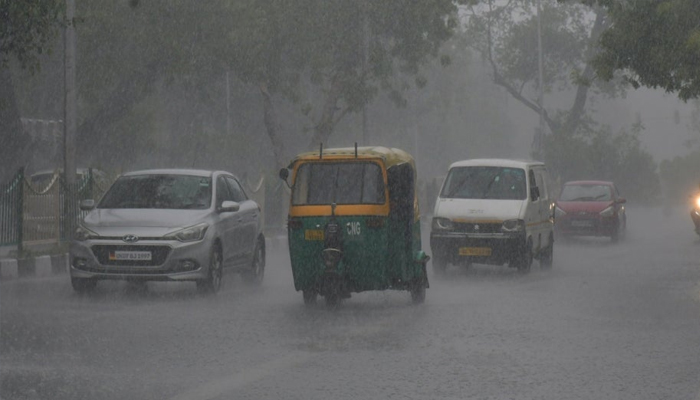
<point>494,211</point>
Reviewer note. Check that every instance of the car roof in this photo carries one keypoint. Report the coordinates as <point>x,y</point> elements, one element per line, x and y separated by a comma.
<point>605,183</point>
<point>496,162</point>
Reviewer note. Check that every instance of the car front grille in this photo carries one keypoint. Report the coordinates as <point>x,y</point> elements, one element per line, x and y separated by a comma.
<point>158,255</point>
<point>475,227</point>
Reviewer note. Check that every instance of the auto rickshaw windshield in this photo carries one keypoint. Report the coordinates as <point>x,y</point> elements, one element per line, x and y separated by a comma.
<point>354,182</point>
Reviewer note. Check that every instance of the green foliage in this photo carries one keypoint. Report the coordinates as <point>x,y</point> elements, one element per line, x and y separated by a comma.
<point>26,29</point>
<point>601,155</point>
<point>655,43</point>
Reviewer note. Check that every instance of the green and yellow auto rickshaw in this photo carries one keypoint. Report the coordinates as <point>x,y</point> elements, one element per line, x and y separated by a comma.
<point>354,224</point>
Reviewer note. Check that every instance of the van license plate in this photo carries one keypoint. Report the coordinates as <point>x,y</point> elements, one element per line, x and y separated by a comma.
<point>313,234</point>
<point>475,251</point>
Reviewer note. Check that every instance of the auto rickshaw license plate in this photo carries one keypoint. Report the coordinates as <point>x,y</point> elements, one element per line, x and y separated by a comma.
<point>313,234</point>
<point>475,251</point>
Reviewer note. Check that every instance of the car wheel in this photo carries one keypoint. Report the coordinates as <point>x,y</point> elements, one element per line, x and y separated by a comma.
<point>212,283</point>
<point>257,269</point>
<point>523,261</point>
<point>309,297</point>
<point>83,285</point>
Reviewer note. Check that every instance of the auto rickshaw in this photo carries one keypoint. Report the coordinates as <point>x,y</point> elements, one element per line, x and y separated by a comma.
<point>354,224</point>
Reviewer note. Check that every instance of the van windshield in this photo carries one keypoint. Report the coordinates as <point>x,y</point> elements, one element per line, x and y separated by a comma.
<point>496,183</point>
<point>341,183</point>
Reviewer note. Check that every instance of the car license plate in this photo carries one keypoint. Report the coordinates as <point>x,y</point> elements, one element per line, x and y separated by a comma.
<point>581,223</point>
<point>130,255</point>
<point>475,251</point>
<point>313,234</point>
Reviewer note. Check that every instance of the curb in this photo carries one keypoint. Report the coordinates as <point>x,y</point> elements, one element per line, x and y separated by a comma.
<point>43,266</point>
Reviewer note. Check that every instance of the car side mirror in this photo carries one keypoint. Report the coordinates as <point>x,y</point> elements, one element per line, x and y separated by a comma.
<point>229,206</point>
<point>534,193</point>
<point>87,204</point>
<point>621,200</point>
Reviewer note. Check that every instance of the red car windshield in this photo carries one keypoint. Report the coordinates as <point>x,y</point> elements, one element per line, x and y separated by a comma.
<point>586,193</point>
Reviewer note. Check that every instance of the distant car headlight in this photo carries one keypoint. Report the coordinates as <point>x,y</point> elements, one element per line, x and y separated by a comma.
<point>608,212</point>
<point>513,225</point>
<point>82,234</point>
<point>191,234</point>
<point>558,212</point>
<point>443,224</point>
<point>697,202</point>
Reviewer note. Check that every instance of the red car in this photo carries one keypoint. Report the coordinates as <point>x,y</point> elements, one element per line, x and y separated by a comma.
<point>590,208</point>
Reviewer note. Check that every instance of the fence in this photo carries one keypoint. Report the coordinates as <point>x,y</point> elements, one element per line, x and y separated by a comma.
<point>33,213</point>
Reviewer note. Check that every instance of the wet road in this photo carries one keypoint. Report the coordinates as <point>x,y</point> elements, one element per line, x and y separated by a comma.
<point>608,322</point>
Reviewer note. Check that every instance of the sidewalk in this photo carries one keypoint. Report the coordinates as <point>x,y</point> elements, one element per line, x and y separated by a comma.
<point>43,266</point>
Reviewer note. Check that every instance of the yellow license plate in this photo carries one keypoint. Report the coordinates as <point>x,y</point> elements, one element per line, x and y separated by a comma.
<point>313,234</point>
<point>475,251</point>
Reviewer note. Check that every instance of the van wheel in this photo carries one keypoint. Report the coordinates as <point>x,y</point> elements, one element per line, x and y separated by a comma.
<point>439,265</point>
<point>523,261</point>
<point>547,257</point>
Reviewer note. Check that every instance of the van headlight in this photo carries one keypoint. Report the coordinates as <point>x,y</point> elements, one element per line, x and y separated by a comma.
<point>191,234</point>
<point>443,224</point>
<point>608,212</point>
<point>513,225</point>
<point>82,234</point>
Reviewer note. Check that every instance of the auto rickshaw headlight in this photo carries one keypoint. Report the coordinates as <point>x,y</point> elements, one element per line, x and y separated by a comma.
<point>513,225</point>
<point>443,224</point>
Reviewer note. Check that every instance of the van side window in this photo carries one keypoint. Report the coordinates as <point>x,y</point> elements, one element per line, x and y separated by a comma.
<point>533,184</point>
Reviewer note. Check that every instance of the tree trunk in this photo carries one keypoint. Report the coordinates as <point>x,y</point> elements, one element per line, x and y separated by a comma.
<point>270,119</point>
<point>328,120</point>
<point>13,142</point>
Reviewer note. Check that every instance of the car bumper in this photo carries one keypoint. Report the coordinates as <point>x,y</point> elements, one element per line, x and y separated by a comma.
<point>596,226</point>
<point>171,260</point>
<point>459,248</point>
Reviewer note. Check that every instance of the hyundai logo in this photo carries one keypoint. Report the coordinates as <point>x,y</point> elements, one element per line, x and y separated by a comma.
<point>130,238</point>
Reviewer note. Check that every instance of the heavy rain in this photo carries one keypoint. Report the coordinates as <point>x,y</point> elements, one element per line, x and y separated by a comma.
<point>371,199</point>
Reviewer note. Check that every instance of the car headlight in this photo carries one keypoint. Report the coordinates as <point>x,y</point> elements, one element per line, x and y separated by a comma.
<point>82,234</point>
<point>513,225</point>
<point>191,234</point>
<point>558,212</point>
<point>443,224</point>
<point>697,202</point>
<point>608,212</point>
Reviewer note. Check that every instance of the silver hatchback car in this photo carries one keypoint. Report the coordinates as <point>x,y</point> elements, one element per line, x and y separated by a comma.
<point>169,225</point>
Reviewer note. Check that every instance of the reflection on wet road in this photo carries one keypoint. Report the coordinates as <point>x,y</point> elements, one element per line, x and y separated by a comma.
<point>608,322</point>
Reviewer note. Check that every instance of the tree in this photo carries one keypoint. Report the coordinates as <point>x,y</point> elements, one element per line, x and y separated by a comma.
<point>26,30</point>
<point>341,52</point>
<point>656,43</point>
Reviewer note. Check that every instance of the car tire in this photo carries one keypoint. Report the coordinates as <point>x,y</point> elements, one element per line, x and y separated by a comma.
<point>523,261</point>
<point>257,270</point>
<point>83,285</point>
<point>212,283</point>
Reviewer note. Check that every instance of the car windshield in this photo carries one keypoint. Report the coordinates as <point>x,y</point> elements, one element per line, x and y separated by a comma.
<point>497,183</point>
<point>159,191</point>
<point>586,193</point>
<point>340,183</point>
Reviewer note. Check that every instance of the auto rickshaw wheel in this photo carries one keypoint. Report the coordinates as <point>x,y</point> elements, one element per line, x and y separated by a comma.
<point>332,300</point>
<point>309,297</point>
